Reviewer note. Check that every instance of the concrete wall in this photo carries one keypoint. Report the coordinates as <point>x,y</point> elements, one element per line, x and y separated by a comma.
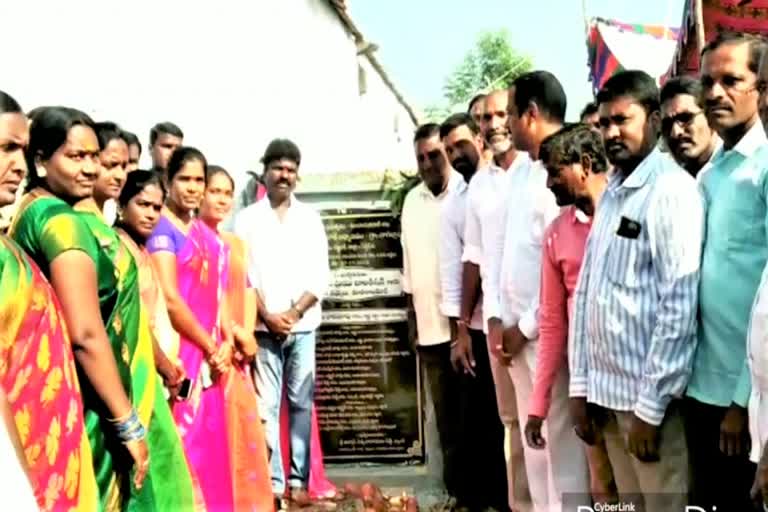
<point>232,74</point>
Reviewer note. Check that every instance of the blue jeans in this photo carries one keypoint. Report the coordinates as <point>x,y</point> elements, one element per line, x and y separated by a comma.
<point>287,365</point>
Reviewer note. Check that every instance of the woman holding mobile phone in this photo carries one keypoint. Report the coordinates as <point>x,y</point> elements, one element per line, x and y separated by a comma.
<point>139,206</point>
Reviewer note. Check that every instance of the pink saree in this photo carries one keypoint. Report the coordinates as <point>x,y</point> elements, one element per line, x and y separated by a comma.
<point>202,267</point>
<point>319,486</point>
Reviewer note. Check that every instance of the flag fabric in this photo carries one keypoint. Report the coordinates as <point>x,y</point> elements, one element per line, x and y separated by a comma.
<point>719,16</point>
<point>614,45</point>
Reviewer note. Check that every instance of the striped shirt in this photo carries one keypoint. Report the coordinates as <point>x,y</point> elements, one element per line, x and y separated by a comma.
<point>633,334</point>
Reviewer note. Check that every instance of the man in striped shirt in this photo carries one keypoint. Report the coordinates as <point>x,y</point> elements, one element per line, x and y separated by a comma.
<point>633,333</point>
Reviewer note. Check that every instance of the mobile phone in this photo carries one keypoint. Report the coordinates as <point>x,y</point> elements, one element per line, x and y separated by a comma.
<point>186,387</point>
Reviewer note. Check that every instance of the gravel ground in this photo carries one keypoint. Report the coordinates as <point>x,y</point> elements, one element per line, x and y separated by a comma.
<point>427,502</point>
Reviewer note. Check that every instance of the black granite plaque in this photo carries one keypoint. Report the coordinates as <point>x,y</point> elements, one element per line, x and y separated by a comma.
<point>367,386</point>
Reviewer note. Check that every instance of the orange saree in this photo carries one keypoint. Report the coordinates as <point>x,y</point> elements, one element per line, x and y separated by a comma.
<point>243,419</point>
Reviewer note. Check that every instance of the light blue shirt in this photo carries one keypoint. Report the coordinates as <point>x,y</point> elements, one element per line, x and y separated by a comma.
<point>633,334</point>
<point>735,253</point>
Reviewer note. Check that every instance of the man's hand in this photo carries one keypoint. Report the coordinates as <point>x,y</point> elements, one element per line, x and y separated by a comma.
<point>278,324</point>
<point>533,433</point>
<point>293,316</point>
<point>583,424</point>
<point>462,358</point>
<point>643,440</point>
<point>495,340</point>
<point>759,492</point>
<point>513,341</point>
<point>734,433</point>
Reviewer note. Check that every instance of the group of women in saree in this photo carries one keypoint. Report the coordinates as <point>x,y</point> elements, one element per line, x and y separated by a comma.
<point>102,325</point>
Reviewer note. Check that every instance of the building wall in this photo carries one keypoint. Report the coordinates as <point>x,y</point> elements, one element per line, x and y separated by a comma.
<point>232,74</point>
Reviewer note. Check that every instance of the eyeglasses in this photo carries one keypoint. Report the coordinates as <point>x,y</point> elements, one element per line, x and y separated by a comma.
<point>684,118</point>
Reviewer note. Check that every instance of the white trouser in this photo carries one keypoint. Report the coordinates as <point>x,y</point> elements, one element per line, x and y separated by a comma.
<point>517,480</point>
<point>757,358</point>
<point>758,421</point>
<point>561,467</point>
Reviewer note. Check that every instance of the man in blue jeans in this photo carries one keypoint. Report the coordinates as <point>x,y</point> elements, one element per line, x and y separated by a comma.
<point>288,267</point>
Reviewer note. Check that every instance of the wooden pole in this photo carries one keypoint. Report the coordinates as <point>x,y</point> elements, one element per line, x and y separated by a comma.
<point>701,39</point>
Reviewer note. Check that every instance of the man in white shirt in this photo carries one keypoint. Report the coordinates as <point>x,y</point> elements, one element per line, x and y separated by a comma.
<point>536,110</point>
<point>495,129</point>
<point>482,433</point>
<point>420,237</point>
<point>288,267</point>
<point>484,196</point>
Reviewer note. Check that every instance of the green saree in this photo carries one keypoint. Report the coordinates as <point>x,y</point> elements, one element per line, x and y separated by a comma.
<point>45,227</point>
<point>165,448</point>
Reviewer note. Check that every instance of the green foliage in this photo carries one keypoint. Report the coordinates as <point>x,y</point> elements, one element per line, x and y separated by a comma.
<point>435,114</point>
<point>491,64</point>
<point>394,189</point>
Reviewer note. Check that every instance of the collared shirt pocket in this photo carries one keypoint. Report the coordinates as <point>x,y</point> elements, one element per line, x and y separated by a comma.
<point>742,212</point>
<point>623,261</point>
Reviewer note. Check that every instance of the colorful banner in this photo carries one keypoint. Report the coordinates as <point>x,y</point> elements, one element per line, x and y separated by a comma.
<point>719,16</point>
<point>614,46</point>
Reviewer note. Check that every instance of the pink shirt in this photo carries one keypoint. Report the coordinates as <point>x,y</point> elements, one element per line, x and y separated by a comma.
<point>564,244</point>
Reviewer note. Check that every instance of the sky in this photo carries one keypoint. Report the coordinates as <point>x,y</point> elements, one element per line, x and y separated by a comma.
<point>421,41</point>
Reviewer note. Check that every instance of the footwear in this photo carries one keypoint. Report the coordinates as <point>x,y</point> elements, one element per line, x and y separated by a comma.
<point>300,497</point>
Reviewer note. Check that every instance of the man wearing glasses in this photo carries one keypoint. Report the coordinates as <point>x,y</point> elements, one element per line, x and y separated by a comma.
<point>733,259</point>
<point>684,125</point>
